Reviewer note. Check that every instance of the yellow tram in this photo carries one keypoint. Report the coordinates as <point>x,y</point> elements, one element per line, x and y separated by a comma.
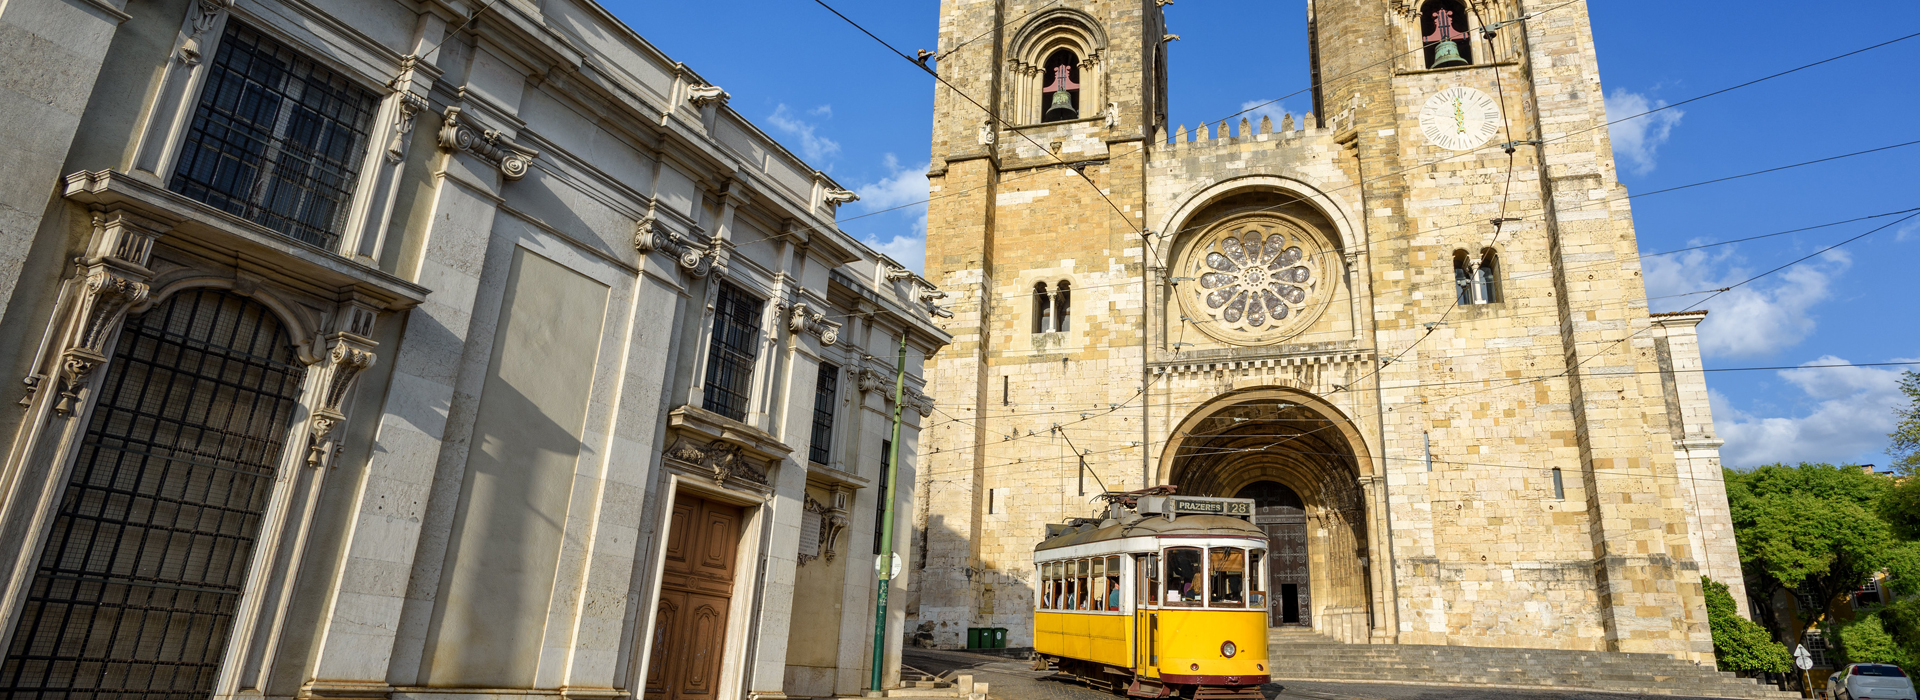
<point>1164,597</point>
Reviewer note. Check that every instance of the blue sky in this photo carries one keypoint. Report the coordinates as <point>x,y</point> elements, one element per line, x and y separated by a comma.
<point>863,115</point>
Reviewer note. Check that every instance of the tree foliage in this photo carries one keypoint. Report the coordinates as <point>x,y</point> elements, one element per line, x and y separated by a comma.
<point>1866,640</point>
<point>1905,439</point>
<point>1819,530</point>
<point>1740,643</point>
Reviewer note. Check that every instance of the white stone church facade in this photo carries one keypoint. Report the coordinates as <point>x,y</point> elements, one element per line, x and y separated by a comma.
<point>1410,323</point>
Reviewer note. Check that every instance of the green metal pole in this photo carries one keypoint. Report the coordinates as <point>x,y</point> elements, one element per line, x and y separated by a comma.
<point>885,563</point>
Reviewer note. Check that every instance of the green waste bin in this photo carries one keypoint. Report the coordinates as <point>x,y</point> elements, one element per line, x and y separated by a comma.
<point>974,638</point>
<point>999,637</point>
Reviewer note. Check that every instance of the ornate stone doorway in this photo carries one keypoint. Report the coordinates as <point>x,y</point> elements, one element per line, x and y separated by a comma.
<point>1279,511</point>
<point>1306,467</point>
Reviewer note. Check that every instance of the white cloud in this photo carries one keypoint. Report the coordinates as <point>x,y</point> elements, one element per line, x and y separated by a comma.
<point>822,111</point>
<point>1907,231</point>
<point>1276,111</point>
<point>903,190</point>
<point>813,146</point>
<point>910,251</point>
<point>1850,412</point>
<point>1638,140</point>
<point>1769,315</point>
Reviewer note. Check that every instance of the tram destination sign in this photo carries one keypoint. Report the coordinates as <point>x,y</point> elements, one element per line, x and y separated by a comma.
<point>1212,506</point>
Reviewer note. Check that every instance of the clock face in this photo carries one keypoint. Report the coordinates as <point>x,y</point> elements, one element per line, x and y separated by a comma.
<point>1460,118</point>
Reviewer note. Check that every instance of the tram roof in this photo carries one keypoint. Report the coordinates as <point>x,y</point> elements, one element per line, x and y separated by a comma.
<point>1188,525</point>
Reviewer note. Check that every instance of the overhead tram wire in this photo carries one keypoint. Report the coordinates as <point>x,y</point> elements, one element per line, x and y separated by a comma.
<point>1737,285</point>
<point>1601,203</point>
<point>1329,81</point>
<point>995,116</point>
<point>1323,83</point>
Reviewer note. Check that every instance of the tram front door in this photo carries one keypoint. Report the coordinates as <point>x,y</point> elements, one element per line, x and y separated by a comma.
<point>1280,513</point>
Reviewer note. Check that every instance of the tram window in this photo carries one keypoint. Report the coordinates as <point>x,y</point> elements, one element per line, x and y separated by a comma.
<point>1256,578</point>
<point>1047,588</point>
<point>1113,583</point>
<point>1227,577</point>
<point>1097,601</point>
<point>1081,589</point>
<point>1183,575</point>
<point>1153,579</point>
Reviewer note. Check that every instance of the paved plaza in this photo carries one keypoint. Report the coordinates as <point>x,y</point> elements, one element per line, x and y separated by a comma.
<point>1014,679</point>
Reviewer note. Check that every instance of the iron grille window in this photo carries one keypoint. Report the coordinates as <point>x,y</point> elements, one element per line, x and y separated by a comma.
<point>135,591</point>
<point>824,392</point>
<point>277,139</point>
<point>730,357</point>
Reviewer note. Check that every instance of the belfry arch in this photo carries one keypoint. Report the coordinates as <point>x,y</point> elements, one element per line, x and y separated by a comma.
<point>1310,472</point>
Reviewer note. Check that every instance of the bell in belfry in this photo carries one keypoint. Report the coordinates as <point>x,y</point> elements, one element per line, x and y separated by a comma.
<point>1060,106</point>
<point>1447,54</point>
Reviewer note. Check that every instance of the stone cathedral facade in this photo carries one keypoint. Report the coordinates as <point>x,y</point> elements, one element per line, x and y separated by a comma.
<point>1410,323</point>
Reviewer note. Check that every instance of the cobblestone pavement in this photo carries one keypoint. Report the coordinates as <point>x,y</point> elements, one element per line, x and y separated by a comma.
<point>1013,679</point>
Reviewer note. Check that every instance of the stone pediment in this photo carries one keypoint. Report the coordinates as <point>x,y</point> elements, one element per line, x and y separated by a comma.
<point>705,444</point>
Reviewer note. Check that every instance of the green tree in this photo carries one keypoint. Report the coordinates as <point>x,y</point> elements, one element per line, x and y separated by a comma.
<point>1740,643</point>
<point>1817,530</point>
<point>1866,640</point>
<point>1905,447</point>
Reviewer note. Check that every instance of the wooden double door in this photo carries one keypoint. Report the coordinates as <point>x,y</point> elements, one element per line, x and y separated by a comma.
<point>1279,512</point>
<point>696,589</point>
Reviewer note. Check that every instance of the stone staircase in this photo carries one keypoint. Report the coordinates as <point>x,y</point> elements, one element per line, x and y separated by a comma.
<point>1302,655</point>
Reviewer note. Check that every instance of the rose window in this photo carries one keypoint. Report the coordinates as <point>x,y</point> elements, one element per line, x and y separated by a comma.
<point>1257,280</point>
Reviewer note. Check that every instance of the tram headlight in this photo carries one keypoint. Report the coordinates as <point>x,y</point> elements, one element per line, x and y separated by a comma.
<point>1227,649</point>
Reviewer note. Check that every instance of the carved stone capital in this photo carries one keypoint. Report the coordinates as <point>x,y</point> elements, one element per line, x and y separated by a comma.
<point>489,145</point>
<point>201,18</point>
<point>919,402</point>
<point>803,319</point>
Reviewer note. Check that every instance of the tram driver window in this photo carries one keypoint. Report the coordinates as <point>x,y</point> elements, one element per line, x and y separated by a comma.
<point>1153,579</point>
<point>1046,586</point>
<point>1183,576</point>
<point>1256,578</point>
<point>1113,583</point>
<point>1227,577</point>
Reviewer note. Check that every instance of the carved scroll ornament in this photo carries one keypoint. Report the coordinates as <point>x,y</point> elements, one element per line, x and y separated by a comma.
<point>489,145</point>
<point>341,366</point>
<point>703,95</point>
<point>650,236</point>
<point>106,298</point>
<point>803,319</point>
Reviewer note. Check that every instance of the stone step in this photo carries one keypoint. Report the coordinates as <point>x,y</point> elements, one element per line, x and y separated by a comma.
<point>1311,656</point>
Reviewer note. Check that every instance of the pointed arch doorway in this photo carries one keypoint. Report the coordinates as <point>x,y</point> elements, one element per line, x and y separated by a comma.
<point>1283,516</point>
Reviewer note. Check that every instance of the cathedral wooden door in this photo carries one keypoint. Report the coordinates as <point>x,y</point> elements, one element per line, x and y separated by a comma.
<point>689,637</point>
<point>1279,512</point>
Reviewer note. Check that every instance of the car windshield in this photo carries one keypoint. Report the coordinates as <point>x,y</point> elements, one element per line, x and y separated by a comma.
<point>1892,671</point>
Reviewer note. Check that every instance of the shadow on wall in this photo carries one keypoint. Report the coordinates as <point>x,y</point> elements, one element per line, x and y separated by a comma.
<point>950,597</point>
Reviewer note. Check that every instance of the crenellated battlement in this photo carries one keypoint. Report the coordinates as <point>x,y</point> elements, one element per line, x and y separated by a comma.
<point>1223,135</point>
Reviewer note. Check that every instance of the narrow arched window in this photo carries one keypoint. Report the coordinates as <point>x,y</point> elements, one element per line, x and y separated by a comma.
<point>1445,34</point>
<point>1060,99</point>
<point>1062,306</point>
<point>1042,309</point>
<point>1486,279</point>
<point>1462,279</point>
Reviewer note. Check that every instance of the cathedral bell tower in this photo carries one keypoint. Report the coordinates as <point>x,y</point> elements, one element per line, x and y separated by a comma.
<point>1038,185</point>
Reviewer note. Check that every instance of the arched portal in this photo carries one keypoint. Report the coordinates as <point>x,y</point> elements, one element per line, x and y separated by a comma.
<point>1302,461</point>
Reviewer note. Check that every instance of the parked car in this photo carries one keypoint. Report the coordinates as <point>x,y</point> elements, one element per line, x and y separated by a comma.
<point>1871,682</point>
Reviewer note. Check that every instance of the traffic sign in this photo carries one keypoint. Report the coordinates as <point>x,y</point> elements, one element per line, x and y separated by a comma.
<point>1803,662</point>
